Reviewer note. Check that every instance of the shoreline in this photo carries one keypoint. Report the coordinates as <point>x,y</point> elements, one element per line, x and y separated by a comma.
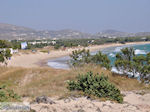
<point>40,59</point>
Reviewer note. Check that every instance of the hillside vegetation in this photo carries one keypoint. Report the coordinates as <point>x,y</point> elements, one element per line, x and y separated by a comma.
<point>34,82</point>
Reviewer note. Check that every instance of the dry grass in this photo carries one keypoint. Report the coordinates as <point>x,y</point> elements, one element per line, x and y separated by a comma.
<point>122,82</point>
<point>52,82</point>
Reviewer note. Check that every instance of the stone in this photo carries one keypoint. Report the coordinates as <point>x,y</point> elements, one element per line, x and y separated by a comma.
<point>44,99</point>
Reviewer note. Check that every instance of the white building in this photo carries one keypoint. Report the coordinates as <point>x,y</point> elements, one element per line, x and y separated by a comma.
<point>12,51</point>
<point>24,45</point>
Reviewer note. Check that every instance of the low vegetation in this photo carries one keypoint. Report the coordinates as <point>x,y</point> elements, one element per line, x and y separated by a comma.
<point>33,82</point>
<point>96,41</point>
<point>97,85</point>
<point>8,95</point>
<point>127,63</point>
<point>77,42</point>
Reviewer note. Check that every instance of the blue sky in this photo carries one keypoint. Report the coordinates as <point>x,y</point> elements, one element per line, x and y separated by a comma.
<point>84,15</point>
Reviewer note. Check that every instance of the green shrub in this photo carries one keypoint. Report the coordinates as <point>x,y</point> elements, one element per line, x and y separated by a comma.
<point>97,85</point>
<point>101,59</point>
<point>130,64</point>
<point>57,46</point>
<point>7,95</point>
<point>81,57</point>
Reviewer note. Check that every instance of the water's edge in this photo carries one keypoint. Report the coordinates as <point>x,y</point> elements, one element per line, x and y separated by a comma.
<point>62,62</point>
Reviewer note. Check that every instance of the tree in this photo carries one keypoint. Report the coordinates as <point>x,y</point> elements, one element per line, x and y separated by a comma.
<point>5,44</point>
<point>80,57</point>
<point>57,46</point>
<point>4,51</point>
<point>101,59</point>
<point>16,44</point>
<point>129,64</point>
<point>124,59</point>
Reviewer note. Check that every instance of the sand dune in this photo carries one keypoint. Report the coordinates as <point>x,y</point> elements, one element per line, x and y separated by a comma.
<point>133,102</point>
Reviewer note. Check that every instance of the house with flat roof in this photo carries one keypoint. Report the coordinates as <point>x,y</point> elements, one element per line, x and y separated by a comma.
<point>24,45</point>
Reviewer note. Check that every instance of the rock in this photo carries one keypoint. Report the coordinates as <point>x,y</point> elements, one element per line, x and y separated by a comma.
<point>44,99</point>
<point>67,100</point>
<point>32,110</point>
<point>80,110</point>
<point>98,109</point>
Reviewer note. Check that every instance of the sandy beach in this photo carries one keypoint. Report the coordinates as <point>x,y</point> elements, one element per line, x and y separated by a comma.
<point>40,59</point>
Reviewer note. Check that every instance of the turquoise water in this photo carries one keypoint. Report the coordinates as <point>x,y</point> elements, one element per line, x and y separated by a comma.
<point>62,63</point>
<point>139,50</point>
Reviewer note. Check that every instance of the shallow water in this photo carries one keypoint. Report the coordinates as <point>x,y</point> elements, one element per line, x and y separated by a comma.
<point>62,62</point>
<point>59,63</point>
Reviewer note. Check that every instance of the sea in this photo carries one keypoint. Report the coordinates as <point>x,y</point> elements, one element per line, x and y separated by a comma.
<point>63,62</point>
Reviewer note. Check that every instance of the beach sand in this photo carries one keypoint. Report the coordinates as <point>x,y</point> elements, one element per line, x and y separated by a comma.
<point>133,102</point>
<point>40,59</point>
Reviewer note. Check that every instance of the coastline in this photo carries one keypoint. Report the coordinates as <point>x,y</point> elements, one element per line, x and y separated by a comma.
<point>40,59</point>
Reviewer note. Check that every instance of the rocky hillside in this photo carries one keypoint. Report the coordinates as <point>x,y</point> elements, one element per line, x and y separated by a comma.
<point>114,33</point>
<point>8,31</point>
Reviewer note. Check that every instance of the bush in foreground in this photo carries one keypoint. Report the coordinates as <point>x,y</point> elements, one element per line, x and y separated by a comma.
<point>7,95</point>
<point>97,85</point>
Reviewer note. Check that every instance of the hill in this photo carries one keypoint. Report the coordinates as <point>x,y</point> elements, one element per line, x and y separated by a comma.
<point>8,31</point>
<point>114,33</point>
<point>11,32</point>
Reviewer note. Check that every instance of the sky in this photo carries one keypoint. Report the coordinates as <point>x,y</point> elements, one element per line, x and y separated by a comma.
<point>84,15</point>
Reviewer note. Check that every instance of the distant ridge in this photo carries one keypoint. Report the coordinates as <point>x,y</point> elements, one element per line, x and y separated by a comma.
<point>10,32</point>
<point>114,33</point>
